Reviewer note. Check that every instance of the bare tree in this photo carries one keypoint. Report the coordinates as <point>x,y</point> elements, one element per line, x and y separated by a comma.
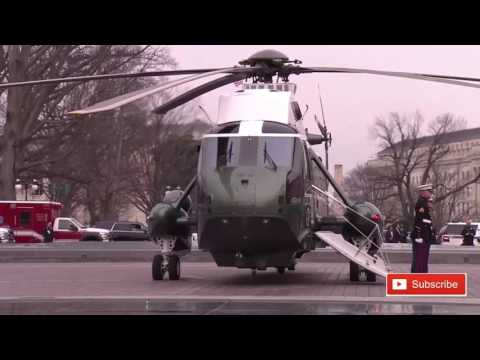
<point>167,157</point>
<point>406,152</point>
<point>35,114</point>
<point>366,183</point>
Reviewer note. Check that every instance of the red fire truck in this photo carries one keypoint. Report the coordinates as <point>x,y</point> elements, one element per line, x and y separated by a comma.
<point>28,219</point>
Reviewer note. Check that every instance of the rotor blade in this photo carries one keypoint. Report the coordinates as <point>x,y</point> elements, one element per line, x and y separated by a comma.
<point>108,76</point>
<point>139,94</point>
<point>321,106</point>
<point>452,80</point>
<point>199,90</point>
<point>320,127</point>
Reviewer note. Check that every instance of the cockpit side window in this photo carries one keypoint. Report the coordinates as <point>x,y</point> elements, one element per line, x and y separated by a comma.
<point>298,158</point>
<point>295,177</point>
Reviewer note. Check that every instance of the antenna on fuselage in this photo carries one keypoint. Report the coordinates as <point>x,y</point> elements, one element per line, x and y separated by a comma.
<point>323,129</point>
<point>326,135</point>
<point>206,114</point>
<point>305,112</point>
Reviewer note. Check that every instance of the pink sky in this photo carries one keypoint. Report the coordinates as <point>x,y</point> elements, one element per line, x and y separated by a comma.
<point>352,102</point>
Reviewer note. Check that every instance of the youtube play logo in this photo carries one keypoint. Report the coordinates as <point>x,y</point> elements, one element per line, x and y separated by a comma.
<point>426,284</point>
<point>399,284</point>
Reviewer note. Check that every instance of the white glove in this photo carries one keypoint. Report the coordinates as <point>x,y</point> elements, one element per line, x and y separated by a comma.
<point>419,241</point>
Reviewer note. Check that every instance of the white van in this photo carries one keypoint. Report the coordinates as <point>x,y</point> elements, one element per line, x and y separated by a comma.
<point>452,233</point>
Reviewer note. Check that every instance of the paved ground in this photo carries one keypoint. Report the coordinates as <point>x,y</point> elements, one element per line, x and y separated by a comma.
<point>205,288</point>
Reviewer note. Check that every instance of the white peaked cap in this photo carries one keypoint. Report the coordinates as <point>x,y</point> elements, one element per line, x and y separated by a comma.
<point>425,187</point>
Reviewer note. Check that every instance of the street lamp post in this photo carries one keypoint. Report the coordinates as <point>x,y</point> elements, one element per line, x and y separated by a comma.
<point>23,185</point>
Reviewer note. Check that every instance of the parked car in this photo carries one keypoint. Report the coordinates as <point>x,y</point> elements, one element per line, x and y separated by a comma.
<point>124,230</point>
<point>6,235</point>
<point>451,233</point>
<point>70,229</point>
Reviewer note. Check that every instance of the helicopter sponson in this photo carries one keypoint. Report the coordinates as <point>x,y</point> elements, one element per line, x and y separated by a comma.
<point>363,218</point>
<point>168,219</point>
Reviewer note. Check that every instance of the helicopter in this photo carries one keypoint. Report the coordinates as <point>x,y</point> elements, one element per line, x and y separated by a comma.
<point>262,196</point>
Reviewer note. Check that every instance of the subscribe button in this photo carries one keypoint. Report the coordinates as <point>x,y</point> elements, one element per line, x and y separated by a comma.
<point>426,284</point>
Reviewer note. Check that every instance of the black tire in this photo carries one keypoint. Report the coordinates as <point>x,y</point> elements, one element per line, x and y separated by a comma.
<point>157,271</point>
<point>174,267</point>
<point>371,276</point>
<point>291,268</point>
<point>354,272</point>
<point>281,269</point>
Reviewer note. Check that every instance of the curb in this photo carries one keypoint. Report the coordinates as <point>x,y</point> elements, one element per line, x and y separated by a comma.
<point>70,253</point>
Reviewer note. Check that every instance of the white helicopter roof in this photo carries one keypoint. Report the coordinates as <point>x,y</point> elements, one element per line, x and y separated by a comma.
<point>256,104</point>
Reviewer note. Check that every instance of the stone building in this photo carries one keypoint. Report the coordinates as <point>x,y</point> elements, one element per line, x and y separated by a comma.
<point>460,164</point>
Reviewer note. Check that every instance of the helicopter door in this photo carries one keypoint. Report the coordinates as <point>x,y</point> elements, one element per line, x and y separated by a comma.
<point>360,256</point>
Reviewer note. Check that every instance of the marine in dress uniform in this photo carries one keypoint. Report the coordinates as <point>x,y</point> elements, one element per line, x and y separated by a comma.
<point>468,233</point>
<point>422,234</point>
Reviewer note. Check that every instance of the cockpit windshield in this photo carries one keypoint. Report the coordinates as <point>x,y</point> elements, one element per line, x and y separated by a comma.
<point>269,152</point>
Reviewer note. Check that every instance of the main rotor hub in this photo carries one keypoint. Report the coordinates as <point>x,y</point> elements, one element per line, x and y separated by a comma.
<point>269,58</point>
<point>270,62</point>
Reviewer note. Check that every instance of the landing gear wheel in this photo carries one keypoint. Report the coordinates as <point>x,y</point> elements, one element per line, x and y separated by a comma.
<point>157,268</point>
<point>354,272</point>
<point>174,267</point>
<point>291,268</point>
<point>281,269</point>
<point>371,276</point>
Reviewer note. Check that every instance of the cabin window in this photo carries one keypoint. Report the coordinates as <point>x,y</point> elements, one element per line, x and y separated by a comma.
<point>296,111</point>
<point>25,218</point>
